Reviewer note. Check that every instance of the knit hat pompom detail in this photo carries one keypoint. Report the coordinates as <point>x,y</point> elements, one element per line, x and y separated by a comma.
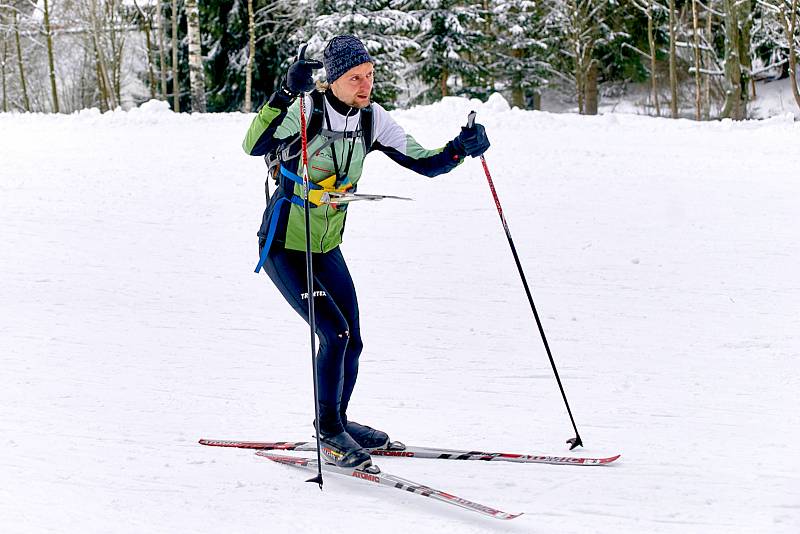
<point>342,53</point>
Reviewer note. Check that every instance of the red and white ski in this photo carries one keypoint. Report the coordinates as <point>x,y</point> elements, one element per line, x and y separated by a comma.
<point>399,450</point>
<point>388,480</point>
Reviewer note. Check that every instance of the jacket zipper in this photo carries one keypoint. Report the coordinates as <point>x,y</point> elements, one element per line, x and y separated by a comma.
<point>324,232</point>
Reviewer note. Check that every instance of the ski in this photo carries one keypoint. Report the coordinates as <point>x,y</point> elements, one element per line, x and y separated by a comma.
<point>402,451</point>
<point>333,197</point>
<point>386,479</point>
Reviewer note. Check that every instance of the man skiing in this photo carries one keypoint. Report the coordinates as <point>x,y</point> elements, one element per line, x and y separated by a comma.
<point>343,128</point>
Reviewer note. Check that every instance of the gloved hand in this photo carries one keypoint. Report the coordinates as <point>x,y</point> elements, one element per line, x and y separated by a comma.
<point>299,77</point>
<point>471,141</point>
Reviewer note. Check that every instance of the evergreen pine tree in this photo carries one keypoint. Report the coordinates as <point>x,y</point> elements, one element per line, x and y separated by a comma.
<point>450,32</point>
<point>519,59</point>
<point>384,30</point>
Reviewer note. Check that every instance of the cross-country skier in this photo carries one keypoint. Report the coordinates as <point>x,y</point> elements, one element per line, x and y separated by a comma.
<point>343,127</point>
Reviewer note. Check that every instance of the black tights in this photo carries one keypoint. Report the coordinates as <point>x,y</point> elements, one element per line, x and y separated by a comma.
<point>336,319</point>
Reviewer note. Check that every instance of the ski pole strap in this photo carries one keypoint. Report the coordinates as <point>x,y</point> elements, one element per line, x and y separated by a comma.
<point>273,224</point>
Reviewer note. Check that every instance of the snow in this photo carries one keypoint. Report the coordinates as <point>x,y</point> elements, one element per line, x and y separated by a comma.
<point>662,255</point>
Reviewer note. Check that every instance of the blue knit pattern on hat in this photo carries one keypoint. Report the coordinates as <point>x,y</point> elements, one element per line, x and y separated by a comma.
<point>342,54</point>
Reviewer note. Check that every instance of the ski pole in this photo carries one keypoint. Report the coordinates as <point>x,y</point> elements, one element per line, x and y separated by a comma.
<point>576,441</point>
<point>310,272</point>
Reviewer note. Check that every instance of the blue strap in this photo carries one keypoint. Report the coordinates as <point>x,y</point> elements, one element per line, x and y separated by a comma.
<point>276,210</point>
<point>273,224</point>
<point>296,179</point>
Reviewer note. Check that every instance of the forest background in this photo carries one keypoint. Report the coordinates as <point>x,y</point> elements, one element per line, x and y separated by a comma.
<point>681,58</point>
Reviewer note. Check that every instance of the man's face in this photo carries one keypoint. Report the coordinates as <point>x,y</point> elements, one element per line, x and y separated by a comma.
<point>355,86</point>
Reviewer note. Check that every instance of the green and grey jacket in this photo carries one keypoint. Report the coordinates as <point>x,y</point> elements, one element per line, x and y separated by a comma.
<point>276,131</point>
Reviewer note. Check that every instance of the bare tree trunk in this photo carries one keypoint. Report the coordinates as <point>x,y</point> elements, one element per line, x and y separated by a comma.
<point>580,76</point>
<point>117,42</point>
<point>103,79</point>
<point>161,55</point>
<point>147,25</point>
<point>789,21</point>
<point>583,26</point>
<point>651,41</point>
<point>3,67</point>
<point>251,52</point>
<point>536,101</point>
<point>517,93</point>
<point>696,34</point>
<point>792,53</point>
<point>150,72</point>
<point>733,68</point>
<point>709,37</point>
<point>21,65</point>
<point>176,86</point>
<point>590,104</point>
<point>737,58</point>
<point>87,95</point>
<point>50,61</point>
<point>196,74</point>
<point>102,84</point>
<point>673,72</point>
<point>443,81</point>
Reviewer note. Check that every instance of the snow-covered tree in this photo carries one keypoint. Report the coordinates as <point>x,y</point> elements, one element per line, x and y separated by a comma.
<point>776,39</point>
<point>520,57</point>
<point>226,38</point>
<point>449,33</point>
<point>385,30</point>
<point>576,28</point>
<point>26,35</point>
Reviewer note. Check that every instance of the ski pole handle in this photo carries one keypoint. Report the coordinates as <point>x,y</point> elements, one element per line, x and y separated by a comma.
<point>471,119</point>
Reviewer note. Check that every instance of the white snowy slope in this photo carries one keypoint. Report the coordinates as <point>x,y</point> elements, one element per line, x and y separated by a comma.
<point>663,258</point>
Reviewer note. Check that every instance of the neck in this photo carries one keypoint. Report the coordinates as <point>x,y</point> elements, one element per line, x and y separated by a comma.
<point>337,104</point>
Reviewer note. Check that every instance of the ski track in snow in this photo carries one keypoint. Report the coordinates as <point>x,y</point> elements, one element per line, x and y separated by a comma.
<point>660,255</point>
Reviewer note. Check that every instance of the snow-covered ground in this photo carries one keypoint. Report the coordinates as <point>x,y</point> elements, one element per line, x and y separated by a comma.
<point>663,257</point>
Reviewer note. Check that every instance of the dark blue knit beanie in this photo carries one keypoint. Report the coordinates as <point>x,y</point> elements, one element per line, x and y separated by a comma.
<point>342,54</point>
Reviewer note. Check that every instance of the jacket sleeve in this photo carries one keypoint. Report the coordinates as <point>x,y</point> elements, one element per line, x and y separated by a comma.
<point>275,121</point>
<point>392,140</point>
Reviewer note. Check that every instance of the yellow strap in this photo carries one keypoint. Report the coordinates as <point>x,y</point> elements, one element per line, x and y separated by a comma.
<point>315,196</point>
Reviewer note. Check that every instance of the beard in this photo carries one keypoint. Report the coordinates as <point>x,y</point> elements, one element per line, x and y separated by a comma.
<point>359,103</point>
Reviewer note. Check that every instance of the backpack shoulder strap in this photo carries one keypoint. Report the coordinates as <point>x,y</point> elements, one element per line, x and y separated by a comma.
<point>317,112</point>
<point>366,127</point>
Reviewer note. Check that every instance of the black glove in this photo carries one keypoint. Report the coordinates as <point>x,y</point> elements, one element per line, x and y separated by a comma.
<point>298,80</point>
<point>299,77</point>
<point>471,141</point>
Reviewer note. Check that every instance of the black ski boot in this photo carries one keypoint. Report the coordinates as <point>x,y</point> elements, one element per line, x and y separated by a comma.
<point>366,436</point>
<point>342,450</point>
